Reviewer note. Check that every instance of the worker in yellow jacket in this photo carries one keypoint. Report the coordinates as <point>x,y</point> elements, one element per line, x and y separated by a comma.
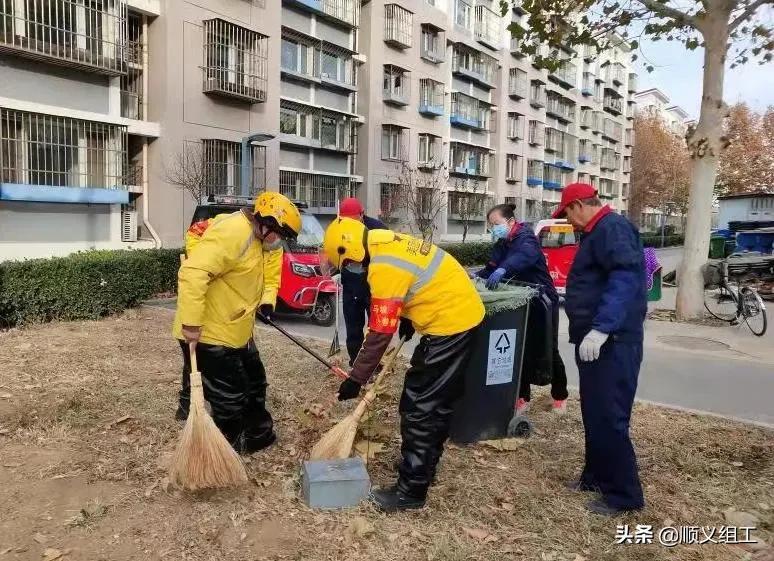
<point>414,285</point>
<point>231,271</point>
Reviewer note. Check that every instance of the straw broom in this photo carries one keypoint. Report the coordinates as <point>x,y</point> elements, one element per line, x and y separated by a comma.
<point>336,444</point>
<point>203,459</point>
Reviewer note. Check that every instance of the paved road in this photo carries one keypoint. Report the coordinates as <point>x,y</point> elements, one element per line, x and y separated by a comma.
<point>670,258</point>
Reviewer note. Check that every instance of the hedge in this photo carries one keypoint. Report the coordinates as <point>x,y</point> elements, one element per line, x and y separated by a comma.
<point>83,286</point>
<point>470,253</point>
<point>655,240</point>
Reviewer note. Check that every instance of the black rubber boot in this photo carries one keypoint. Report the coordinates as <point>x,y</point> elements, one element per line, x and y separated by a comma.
<point>252,445</point>
<point>393,500</point>
<point>180,414</point>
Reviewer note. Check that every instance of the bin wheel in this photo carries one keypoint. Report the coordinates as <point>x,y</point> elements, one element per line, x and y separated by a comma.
<point>519,427</point>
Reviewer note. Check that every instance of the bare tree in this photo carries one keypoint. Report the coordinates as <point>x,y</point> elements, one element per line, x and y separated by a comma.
<point>420,195</point>
<point>467,204</point>
<point>187,170</point>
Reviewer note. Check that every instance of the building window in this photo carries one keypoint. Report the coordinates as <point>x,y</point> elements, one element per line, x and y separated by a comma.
<point>517,83</point>
<point>433,43</point>
<point>625,191</point>
<point>398,26</point>
<point>321,192</point>
<point>463,13</point>
<point>317,127</point>
<point>488,27</point>
<point>537,94</point>
<point>515,126</point>
<point>85,33</point>
<point>235,61</point>
<point>295,56</point>
<point>431,95</point>
<point>429,152</point>
<point>38,149</point>
<point>536,133</point>
<point>222,165</point>
<point>388,200</point>
<point>393,140</point>
<point>512,168</point>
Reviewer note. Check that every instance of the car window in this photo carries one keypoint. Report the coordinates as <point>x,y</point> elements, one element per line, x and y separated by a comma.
<point>551,239</point>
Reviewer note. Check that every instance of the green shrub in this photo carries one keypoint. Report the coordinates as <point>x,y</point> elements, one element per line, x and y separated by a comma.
<point>87,285</point>
<point>470,253</point>
<point>654,240</point>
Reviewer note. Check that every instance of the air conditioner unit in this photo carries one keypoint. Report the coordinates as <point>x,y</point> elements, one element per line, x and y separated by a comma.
<point>129,226</point>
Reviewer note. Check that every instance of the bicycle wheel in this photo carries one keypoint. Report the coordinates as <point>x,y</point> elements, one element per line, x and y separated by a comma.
<point>754,311</point>
<point>721,302</point>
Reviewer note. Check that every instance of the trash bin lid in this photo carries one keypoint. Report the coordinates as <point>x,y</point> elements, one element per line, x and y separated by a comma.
<point>504,296</point>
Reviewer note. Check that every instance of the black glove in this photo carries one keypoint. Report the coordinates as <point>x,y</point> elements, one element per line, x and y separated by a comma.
<point>349,389</point>
<point>406,330</point>
<point>265,312</point>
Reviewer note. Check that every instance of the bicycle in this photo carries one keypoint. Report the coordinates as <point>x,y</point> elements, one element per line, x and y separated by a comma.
<point>733,304</point>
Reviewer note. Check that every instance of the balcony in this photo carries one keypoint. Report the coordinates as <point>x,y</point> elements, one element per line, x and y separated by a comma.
<point>487,28</point>
<point>433,44</point>
<point>612,130</point>
<point>589,80</point>
<point>534,173</point>
<point>85,35</point>
<point>614,74</point>
<point>235,61</point>
<point>309,59</point>
<point>342,12</point>
<point>536,133</point>
<point>474,65</point>
<point>315,127</point>
<point>586,118</point>
<point>516,48</point>
<point>396,89</point>
<point>585,157</point>
<point>469,160</point>
<point>613,105</point>
<point>632,82</point>
<point>48,158</point>
<point>566,75</point>
<point>629,138</point>
<point>320,192</point>
<point>608,160</point>
<point>557,107</point>
<point>398,26</point>
<point>537,95</point>
<point>431,97</point>
<point>518,85</point>
<point>469,112</point>
<point>552,177</point>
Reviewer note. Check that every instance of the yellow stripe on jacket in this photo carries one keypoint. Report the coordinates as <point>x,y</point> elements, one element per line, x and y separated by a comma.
<point>224,278</point>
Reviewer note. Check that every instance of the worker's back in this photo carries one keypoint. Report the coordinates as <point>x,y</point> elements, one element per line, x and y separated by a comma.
<point>432,288</point>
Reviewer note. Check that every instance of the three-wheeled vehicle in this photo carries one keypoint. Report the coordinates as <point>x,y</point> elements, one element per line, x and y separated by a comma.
<point>559,242</point>
<point>303,288</point>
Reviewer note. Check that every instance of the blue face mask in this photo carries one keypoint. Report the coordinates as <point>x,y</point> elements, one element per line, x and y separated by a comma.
<point>355,267</point>
<point>499,231</point>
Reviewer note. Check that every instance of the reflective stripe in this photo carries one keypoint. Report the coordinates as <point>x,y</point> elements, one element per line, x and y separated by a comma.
<point>423,276</point>
<point>428,273</point>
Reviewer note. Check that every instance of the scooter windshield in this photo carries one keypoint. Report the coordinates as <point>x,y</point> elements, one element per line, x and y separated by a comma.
<point>311,234</point>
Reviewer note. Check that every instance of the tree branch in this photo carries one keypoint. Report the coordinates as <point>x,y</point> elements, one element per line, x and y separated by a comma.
<point>747,13</point>
<point>662,10</point>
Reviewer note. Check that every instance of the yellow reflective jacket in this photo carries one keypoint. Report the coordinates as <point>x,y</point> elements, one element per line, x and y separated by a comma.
<point>421,282</point>
<point>224,278</point>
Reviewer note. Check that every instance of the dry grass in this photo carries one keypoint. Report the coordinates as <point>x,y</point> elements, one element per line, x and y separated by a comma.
<point>79,476</point>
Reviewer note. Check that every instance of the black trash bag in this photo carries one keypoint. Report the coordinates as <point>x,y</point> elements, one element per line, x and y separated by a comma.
<point>537,368</point>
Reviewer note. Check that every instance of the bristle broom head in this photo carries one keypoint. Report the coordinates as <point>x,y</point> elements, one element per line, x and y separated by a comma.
<point>204,459</point>
<point>336,444</point>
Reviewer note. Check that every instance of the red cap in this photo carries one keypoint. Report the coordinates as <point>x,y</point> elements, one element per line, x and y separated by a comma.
<point>571,193</point>
<point>350,208</point>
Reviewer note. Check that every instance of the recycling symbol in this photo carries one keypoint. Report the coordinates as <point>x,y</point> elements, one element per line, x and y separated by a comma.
<point>503,344</point>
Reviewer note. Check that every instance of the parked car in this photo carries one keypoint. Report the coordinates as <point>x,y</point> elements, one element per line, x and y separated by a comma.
<point>303,288</point>
<point>559,242</point>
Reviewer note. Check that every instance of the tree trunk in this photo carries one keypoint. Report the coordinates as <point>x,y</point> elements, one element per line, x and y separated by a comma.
<point>705,147</point>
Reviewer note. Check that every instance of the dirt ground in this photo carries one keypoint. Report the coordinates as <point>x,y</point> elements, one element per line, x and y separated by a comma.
<point>86,425</point>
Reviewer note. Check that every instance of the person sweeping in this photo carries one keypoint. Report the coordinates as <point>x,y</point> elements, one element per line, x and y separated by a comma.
<point>233,271</point>
<point>415,280</point>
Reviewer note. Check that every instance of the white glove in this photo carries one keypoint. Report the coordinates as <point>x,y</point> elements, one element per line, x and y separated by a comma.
<point>591,345</point>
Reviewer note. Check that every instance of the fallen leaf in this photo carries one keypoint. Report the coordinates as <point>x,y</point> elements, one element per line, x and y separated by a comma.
<point>506,506</point>
<point>40,538</point>
<point>491,538</point>
<point>118,421</point>
<point>392,537</point>
<point>13,465</point>
<point>579,558</point>
<point>368,449</point>
<point>360,527</point>
<point>5,396</point>
<point>316,410</point>
<point>475,533</point>
<point>6,550</point>
<point>416,535</point>
<point>242,536</point>
<point>737,464</point>
<point>4,431</point>
<point>49,554</point>
<point>150,489</point>
<point>504,444</point>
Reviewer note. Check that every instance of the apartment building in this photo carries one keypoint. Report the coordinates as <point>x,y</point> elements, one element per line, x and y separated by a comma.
<point>107,107</point>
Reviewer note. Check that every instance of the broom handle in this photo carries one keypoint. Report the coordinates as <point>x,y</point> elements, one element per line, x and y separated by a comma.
<point>197,391</point>
<point>370,395</point>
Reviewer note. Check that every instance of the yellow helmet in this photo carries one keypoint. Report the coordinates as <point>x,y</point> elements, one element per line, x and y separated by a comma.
<point>345,240</point>
<point>278,213</point>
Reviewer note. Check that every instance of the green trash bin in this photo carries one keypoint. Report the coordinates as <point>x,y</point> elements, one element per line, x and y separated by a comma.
<point>654,294</point>
<point>717,247</point>
<point>494,373</point>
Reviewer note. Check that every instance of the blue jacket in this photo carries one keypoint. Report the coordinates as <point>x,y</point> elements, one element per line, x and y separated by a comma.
<point>520,255</point>
<point>606,285</point>
<point>353,283</point>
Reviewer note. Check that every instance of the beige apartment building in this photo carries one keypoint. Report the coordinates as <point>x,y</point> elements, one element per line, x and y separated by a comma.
<point>102,102</point>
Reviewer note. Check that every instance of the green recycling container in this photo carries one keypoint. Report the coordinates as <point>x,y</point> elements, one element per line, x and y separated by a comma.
<point>717,247</point>
<point>654,294</point>
<point>495,370</point>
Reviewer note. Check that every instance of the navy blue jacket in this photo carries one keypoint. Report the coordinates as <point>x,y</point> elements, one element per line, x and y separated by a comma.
<point>520,255</point>
<point>357,284</point>
<point>606,285</point>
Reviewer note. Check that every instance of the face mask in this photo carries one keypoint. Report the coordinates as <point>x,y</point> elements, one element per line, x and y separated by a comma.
<point>272,246</point>
<point>499,231</point>
<point>355,267</point>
